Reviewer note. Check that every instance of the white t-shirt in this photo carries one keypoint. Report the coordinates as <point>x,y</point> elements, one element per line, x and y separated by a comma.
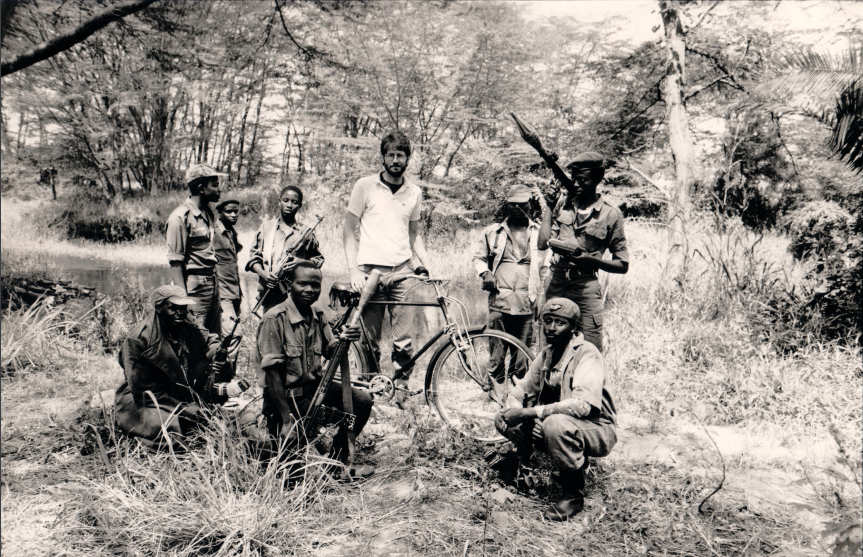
<point>384,220</point>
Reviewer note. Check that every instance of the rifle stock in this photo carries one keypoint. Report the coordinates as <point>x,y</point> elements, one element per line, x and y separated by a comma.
<point>340,354</point>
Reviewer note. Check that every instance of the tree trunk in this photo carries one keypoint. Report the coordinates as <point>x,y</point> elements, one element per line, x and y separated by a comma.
<point>242,145</point>
<point>678,137</point>
<point>251,173</point>
<point>21,128</point>
<point>286,157</point>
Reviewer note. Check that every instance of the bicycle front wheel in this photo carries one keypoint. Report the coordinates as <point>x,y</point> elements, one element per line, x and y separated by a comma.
<point>460,384</point>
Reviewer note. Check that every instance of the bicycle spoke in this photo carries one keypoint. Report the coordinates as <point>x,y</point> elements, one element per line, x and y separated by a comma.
<point>457,391</point>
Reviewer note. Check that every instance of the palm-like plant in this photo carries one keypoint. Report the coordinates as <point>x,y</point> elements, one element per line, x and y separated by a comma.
<point>824,86</point>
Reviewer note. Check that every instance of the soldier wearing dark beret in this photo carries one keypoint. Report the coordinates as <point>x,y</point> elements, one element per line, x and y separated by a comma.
<point>584,220</point>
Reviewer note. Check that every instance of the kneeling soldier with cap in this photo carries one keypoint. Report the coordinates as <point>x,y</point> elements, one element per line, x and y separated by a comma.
<point>572,414</point>
<point>588,225</point>
<point>292,340</point>
<point>169,366</point>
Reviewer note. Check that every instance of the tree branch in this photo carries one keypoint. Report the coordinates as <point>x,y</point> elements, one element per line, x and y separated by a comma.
<point>630,121</point>
<point>720,79</point>
<point>67,40</point>
<point>647,178</point>
<point>775,119</point>
<point>704,15</point>
<point>307,52</point>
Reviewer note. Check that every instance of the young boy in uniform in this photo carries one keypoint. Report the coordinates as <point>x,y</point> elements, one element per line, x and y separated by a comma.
<point>228,273</point>
<point>293,340</point>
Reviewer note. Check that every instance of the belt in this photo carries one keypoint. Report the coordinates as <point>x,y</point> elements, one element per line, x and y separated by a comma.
<point>386,268</point>
<point>202,272</point>
<point>571,274</point>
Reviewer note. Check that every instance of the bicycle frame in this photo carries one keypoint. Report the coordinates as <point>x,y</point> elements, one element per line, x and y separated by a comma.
<point>457,332</point>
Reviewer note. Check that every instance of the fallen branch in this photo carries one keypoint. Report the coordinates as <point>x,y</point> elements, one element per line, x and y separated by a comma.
<point>647,178</point>
<point>721,459</point>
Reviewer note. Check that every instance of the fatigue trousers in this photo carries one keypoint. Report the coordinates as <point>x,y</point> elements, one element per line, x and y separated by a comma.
<point>587,294</point>
<point>230,310</point>
<point>401,322</point>
<point>147,422</point>
<point>204,289</point>
<point>362,401</point>
<point>569,440</point>
<point>519,326</point>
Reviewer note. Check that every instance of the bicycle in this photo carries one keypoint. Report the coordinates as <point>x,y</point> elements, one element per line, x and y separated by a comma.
<point>459,379</point>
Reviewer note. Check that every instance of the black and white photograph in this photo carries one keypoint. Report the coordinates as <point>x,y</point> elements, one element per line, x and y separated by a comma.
<point>398,278</point>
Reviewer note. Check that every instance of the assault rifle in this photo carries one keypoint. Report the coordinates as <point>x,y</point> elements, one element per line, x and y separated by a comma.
<point>281,267</point>
<point>528,133</point>
<point>339,361</point>
<point>219,393</point>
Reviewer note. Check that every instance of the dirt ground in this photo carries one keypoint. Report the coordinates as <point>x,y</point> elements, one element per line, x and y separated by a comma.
<point>47,456</point>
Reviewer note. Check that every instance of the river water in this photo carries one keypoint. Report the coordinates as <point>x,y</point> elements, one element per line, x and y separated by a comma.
<point>112,279</point>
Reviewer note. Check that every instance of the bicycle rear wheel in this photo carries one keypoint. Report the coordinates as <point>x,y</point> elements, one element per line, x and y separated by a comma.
<point>457,392</point>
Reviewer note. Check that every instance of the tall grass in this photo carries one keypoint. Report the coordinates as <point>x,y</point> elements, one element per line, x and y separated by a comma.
<point>32,338</point>
<point>217,499</point>
<point>431,496</point>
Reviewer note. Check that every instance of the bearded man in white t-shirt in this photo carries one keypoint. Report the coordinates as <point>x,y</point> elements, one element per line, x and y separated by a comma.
<point>386,209</point>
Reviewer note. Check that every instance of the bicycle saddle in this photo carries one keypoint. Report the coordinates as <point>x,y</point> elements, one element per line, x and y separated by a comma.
<point>341,286</point>
<point>342,292</point>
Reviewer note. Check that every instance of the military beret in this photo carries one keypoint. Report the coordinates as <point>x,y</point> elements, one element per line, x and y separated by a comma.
<point>586,161</point>
<point>561,307</point>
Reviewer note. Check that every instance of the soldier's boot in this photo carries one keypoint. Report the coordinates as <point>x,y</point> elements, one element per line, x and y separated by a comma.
<point>572,499</point>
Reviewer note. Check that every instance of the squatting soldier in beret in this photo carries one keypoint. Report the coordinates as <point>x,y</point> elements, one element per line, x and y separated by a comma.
<point>584,220</point>
<point>191,253</point>
<point>570,408</point>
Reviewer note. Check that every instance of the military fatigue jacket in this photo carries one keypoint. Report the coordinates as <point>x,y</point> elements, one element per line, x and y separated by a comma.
<point>295,344</point>
<point>273,240</point>
<point>600,230</point>
<point>150,363</point>
<point>519,275</point>
<point>227,247</point>
<point>190,237</point>
<point>580,374</point>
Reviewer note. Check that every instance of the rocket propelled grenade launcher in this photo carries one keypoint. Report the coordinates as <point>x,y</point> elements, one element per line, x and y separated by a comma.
<point>528,133</point>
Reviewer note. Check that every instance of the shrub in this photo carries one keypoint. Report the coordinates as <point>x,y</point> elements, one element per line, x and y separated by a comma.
<point>818,228</point>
